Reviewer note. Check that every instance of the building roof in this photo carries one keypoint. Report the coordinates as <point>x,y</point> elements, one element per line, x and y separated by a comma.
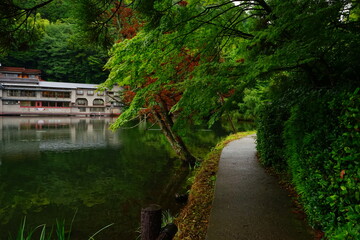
<point>67,85</point>
<point>45,84</point>
<point>27,82</point>
<point>20,70</point>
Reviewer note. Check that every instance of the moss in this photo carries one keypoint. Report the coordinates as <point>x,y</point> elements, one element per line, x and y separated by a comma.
<point>194,217</point>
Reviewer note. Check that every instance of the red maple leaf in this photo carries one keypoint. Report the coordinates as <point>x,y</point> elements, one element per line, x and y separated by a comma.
<point>183,3</point>
<point>342,173</point>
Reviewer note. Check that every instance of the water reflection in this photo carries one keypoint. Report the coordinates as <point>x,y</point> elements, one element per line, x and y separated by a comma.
<point>34,135</point>
<point>53,167</point>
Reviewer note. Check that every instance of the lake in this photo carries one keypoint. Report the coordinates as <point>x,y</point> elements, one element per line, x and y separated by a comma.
<point>57,169</point>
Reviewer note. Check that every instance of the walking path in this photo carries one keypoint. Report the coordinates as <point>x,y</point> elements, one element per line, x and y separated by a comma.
<point>249,204</point>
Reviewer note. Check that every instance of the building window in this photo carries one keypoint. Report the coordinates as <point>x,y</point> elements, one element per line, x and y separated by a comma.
<point>55,104</point>
<point>100,93</point>
<point>80,92</point>
<point>23,76</point>
<point>63,94</point>
<point>25,104</point>
<point>90,92</point>
<point>59,104</point>
<point>46,104</point>
<point>13,93</point>
<point>82,109</point>
<point>81,101</point>
<point>98,102</point>
<point>27,93</point>
<point>97,109</point>
<point>10,75</point>
<point>21,93</point>
<point>50,94</point>
<point>10,102</point>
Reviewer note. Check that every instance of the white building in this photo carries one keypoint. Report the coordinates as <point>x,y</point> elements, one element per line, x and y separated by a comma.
<point>23,92</point>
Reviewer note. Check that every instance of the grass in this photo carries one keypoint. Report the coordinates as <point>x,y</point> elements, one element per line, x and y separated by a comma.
<point>167,218</point>
<point>61,234</point>
<point>27,235</point>
<point>194,217</point>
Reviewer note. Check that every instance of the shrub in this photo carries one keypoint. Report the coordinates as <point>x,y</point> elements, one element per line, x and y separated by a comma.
<point>270,145</point>
<point>318,140</point>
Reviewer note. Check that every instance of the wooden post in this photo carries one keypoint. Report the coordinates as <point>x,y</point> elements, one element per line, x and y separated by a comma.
<point>168,232</point>
<point>150,222</point>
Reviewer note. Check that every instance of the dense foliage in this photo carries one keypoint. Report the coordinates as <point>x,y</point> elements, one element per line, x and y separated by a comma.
<point>322,144</point>
<point>319,139</point>
<point>44,35</point>
<point>309,122</point>
<point>300,58</point>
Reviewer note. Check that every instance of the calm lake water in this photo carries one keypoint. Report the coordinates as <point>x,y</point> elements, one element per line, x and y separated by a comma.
<point>54,168</point>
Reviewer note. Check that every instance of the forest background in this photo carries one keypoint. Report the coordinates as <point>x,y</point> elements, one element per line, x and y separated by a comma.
<point>293,66</point>
<point>48,38</point>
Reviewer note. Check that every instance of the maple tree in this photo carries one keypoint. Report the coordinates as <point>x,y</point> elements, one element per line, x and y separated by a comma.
<point>157,106</point>
<point>124,21</point>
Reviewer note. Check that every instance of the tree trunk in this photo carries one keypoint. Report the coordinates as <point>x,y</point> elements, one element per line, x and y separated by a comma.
<point>228,115</point>
<point>175,140</point>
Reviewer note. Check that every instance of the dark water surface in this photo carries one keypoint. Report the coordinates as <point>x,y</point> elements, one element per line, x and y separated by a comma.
<point>52,168</point>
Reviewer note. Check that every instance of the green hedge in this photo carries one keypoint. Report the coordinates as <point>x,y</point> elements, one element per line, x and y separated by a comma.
<point>270,126</point>
<point>318,140</point>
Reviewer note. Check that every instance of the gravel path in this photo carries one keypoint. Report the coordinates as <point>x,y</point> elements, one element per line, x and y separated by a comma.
<point>249,204</point>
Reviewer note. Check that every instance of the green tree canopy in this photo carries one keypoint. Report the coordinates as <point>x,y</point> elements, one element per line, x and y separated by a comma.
<point>240,44</point>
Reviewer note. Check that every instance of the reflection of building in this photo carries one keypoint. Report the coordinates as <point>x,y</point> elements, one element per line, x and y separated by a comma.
<point>22,92</point>
<point>22,137</point>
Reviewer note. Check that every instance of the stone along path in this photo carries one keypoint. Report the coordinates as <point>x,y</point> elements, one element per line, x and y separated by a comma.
<point>249,204</point>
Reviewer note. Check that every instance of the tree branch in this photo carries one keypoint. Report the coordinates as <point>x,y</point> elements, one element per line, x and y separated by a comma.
<point>238,32</point>
<point>37,6</point>
<point>265,6</point>
<point>208,8</point>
